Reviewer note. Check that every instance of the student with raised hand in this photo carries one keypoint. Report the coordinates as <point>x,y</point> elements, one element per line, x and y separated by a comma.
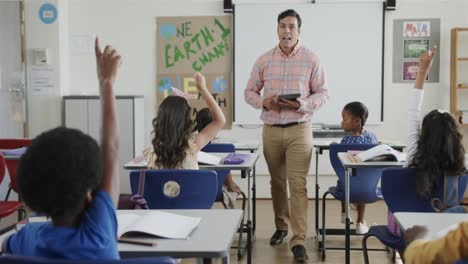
<point>436,149</point>
<point>67,177</point>
<point>175,146</point>
<point>202,119</point>
<point>354,117</point>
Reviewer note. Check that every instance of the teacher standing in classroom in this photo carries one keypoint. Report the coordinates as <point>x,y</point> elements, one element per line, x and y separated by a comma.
<point>288,68</point>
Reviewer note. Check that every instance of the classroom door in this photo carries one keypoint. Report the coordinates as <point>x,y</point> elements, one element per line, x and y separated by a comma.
<point>12,70</point>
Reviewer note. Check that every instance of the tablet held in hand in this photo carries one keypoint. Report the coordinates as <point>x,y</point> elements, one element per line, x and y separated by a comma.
<point>290,97</point>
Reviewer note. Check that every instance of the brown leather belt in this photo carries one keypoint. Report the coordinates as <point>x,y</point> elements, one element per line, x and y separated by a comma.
<point>288,124</point>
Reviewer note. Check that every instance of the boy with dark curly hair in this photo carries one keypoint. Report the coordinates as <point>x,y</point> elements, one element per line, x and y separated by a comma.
<point>65,175</point>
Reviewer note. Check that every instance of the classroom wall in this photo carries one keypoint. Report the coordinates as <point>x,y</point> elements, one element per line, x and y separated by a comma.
<point>130,27</point>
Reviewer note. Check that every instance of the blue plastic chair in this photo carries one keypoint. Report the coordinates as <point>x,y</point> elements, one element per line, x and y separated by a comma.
<point>462,261</point>
<point>222,174</point>
<point>12,259</point>
<point>198,188</point>
<point>399,191</point>
<point>362,185</point>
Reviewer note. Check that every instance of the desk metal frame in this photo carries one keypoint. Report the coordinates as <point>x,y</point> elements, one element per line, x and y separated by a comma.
<point>349,166</point>
<point>246,168</point>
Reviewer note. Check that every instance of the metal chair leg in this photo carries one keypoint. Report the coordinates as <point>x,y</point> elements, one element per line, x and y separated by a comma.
<point>364,247</point>
<point>323,256</point>
<point>241,228</point>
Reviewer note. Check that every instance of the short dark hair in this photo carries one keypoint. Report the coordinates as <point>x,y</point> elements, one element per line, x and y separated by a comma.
<point>203,118</point>
<point>358,110</point>
<point>291,13</point>
<point>58,169</point>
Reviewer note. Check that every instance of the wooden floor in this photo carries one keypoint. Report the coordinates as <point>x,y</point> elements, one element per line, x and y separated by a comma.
<point>263,253</point>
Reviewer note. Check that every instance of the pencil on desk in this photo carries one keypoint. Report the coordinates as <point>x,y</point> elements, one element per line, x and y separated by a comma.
<point>137,242</point>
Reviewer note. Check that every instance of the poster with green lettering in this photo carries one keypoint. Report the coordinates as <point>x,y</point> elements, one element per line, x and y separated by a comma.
<point>185,45</point>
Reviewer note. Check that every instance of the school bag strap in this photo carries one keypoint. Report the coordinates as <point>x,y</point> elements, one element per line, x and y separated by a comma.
<point>138,200</point>
<point>450,202</point>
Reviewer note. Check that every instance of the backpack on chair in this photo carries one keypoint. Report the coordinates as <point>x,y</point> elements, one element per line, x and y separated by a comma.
<point>135,201</point>
<point>450,203</point>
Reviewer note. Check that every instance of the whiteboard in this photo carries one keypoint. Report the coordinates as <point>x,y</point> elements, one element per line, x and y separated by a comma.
<point>348,37</point>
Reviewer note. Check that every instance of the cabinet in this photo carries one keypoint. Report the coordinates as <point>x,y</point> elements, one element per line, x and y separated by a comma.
<point>83,113</point>
<point>459,74</point>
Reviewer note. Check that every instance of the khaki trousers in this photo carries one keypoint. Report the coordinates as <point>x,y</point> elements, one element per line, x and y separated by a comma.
<point>288,152</point>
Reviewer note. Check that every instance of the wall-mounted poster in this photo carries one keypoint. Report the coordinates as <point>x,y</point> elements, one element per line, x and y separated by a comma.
<point>413,48</point>
<point>185,45</point>
<point>410,70</point>
<point>411,38</point>
<point>417,29</point>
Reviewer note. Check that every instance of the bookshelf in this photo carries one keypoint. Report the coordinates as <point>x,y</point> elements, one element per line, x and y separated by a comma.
<point>459,72</point>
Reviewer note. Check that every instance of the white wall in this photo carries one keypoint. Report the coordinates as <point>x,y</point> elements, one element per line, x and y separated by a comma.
<point>130,27</point>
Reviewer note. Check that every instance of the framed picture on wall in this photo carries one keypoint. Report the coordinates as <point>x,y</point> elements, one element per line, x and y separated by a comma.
<point>413,48</point>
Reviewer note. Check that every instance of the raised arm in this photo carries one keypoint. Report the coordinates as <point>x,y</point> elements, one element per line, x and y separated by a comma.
<point>107,63</point>
<point>212,129</point>
<point>415,102</point>
<point>425,64</point>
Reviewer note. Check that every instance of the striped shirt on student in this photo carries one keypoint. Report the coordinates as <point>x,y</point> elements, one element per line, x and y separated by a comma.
<point>277,73</point>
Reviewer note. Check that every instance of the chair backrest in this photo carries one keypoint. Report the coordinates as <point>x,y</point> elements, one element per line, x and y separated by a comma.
<point>2,168</point>
<point>197,188</point>
<point>11,259</point>
<point>399,190</point>
<point>12,165</point>
<point>222,174</point>
<point>363,185</point>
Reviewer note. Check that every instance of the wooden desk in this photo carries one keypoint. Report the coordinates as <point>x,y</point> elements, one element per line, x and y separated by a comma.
<point>245,169</point>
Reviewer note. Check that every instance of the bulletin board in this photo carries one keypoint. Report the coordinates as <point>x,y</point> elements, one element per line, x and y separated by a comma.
<point>189,44</point>
<point>411,38</point>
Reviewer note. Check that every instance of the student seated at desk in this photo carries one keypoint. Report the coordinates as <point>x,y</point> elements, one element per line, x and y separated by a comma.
<point>447,249</point>
<point>202,119</point>
<point>67,177</point>
<point>175,146</point>
<point>434,150</point>
<point>354,116</point>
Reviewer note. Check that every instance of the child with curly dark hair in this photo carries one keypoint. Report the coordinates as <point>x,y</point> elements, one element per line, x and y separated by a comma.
<point>66,176</point>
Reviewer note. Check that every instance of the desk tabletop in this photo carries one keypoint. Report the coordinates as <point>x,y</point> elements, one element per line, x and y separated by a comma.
<point>437,223</point>
<point>140,163</point>
<point>325,144</point>
<point>247,145</point>
<point>211,239</point>
<point>348,163</point>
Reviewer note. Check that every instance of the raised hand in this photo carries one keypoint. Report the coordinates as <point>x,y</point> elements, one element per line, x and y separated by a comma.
<point>425,60</point>
<point>200,81</point>
<point>425,64</point>
<point>107,63</point>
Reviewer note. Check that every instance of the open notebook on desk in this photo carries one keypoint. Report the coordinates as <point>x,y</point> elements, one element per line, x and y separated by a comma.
<point>160,224</point>
<point>377,153</point>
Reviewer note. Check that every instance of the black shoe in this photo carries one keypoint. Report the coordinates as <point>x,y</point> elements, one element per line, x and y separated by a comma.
<point>278,236</point>
<point>300,254</point>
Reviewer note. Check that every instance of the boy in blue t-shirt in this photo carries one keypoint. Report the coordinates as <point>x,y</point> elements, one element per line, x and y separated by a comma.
<point>354,117</point>
<point>66,176</point>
